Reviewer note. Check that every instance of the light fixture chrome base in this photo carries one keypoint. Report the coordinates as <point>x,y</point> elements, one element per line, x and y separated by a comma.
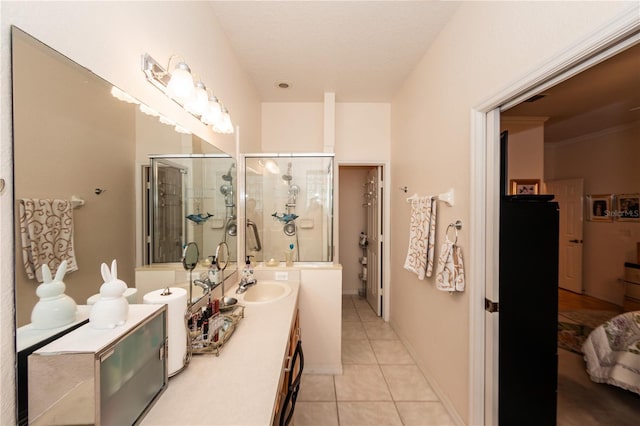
<point>155,73</point>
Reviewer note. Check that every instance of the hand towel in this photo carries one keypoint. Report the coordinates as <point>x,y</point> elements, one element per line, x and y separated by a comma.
<point>450,270</point>
<point>422,234</point>
<point>46,233</point>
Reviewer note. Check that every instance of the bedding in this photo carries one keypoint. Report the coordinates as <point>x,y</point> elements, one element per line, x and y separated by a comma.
<point>612,352</point>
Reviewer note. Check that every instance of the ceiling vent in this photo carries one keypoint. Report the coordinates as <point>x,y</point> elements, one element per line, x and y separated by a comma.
<point>536,98</point>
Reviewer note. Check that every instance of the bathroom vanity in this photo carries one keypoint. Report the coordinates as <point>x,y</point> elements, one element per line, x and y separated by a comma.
<point>244,384</point>
<point>241,386</point>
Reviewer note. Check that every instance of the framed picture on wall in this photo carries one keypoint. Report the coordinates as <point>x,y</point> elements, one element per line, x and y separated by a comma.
<point>599,207</point>
<point>525,186</point>
<point>628,207</point>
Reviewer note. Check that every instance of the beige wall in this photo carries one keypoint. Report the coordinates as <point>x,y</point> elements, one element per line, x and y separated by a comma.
<point>485,46</point>
<point>607,161</point>
<point>109,38</point>
<point>362,130</point>
<point>525,148</point>
<point>292,127</point>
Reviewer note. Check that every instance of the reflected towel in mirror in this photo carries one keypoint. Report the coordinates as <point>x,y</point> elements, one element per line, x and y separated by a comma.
<point>46,233</point>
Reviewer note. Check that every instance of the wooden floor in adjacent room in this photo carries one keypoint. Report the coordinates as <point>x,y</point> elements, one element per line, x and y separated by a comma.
<point>570,301</point>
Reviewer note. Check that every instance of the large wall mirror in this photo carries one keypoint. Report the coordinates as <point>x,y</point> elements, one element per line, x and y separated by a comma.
<point>76,136</point>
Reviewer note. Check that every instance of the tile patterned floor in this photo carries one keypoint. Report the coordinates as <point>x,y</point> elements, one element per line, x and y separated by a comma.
<point>380,384</point>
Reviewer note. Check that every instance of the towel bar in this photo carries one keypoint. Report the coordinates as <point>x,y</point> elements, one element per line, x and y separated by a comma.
<point>76,202</point>
<point>446,197</point>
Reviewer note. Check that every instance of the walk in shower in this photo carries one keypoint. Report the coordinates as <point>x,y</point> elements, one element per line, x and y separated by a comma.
<point>289,199</point>
<point>192,199</point>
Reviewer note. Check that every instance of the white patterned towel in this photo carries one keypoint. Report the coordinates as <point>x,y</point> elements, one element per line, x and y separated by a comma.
<point>450,270</point>
<point>422,236</point>
<point>46,233</point>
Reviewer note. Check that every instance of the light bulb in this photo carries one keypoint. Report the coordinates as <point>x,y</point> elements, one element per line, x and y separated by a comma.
<point>181,86</point>
<point>227,125</point>
<point>213,114</point>
<point>199,102</point>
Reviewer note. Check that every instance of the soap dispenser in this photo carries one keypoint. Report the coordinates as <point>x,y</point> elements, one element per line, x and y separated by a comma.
<point>247,272</point>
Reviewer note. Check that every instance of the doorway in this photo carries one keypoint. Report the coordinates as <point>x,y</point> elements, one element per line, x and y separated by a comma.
<point>577,141</point>
<point>619,36</point>
<point>361,232</point>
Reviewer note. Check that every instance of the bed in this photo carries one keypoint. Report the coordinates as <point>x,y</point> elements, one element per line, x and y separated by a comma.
<point>612,352</point>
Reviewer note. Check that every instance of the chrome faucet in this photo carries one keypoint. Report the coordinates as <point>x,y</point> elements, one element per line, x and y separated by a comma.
<point>204,284</point>
<point>245,284</point>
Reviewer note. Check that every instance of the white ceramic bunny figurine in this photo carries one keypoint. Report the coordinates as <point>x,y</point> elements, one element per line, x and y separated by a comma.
<point>54,309</point>
<point>112,308</point>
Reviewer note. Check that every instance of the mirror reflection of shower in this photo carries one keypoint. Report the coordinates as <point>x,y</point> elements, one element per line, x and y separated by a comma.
<point>231,220</point>
<point>191,198</point>
<point>226,189</point>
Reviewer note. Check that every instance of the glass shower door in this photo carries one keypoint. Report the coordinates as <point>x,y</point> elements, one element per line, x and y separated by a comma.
<point>168,212</point>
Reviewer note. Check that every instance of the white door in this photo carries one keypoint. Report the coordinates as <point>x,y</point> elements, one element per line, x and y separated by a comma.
<point>568,193</point>
<point>375,247</point>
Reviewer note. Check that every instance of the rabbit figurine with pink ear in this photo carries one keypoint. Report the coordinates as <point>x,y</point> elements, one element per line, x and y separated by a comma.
<point>54,309</point>
<point>112,309</point>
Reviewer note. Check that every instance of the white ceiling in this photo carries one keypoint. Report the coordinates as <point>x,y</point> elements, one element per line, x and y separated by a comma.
<point>360,50</point>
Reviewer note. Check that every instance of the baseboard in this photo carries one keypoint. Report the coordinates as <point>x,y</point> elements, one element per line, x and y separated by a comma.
<point>326,369</point>
<point>455,416</point>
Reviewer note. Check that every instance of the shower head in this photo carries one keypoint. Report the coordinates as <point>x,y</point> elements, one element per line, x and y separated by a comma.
<point>287,177</point>
<point>228,177</point>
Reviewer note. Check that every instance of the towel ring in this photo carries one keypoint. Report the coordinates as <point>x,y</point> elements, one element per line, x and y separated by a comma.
<point>456,226</point>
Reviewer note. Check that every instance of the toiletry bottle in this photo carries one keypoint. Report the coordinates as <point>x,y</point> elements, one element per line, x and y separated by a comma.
<point>216,315</point>
<point>212,273</point>
<point>247,272</point>
<point>205,330</point>
<point>288,256</point>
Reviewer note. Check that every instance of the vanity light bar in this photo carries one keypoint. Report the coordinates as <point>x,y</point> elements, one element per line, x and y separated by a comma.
<point>160,78</point>
<point>156,75</point>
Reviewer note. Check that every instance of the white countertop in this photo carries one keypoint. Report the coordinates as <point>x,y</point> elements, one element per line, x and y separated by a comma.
<point>240,386</point>
<point>27,336</point>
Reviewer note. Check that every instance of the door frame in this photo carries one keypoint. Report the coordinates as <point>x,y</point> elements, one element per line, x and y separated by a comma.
<point>386,224</point>
<point>484,195</point>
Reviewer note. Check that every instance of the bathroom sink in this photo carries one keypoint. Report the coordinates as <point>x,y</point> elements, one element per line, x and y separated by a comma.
<point>266,292</point>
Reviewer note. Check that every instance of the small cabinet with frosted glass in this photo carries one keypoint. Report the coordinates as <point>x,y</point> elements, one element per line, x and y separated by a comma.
<point>101,377</point>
